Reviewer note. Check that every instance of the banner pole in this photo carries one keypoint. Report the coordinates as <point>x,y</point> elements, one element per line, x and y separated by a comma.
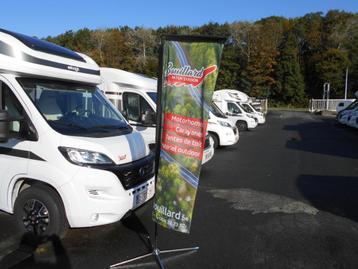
<point>190,178</point>
<point>155,251</point>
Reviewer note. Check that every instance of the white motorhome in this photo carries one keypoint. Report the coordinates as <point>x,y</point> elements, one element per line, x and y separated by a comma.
<point>135,96</point>
<point>235,113</point>
<point>67,156</point>
<point>244,101</point>
<point>221,129</point>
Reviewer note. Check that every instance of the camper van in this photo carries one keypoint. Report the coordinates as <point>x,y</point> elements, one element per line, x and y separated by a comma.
<point>244,102</point>
<point>135,95</point>
<point>68,158</point>
<point>235,113</point>
<point>220,128</point>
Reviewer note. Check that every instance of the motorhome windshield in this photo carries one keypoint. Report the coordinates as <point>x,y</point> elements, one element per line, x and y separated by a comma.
<point>247,108</point>
<point>153,96</point>
<point>74,109</point>
<point>243,107</point>
<point>217,112</point>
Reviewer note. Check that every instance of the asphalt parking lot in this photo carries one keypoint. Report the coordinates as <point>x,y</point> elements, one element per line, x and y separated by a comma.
<point>286,196</point>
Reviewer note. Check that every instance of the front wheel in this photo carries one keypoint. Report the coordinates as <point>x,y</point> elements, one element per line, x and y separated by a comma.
<point>39,210</point>
<point>241,125</point>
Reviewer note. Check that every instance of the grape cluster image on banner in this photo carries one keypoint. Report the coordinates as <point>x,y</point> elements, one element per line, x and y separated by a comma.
<point>190,71</point>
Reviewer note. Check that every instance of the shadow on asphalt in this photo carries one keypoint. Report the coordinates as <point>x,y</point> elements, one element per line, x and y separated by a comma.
<point>24,256</point>
<point>311,140</point>
<point>133,223</point>
<point>334,194</point>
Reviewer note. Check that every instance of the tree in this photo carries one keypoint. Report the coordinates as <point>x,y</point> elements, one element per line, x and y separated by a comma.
<point>265,37</point>
<point>142,40</point>
<point>331,68</point>
<point>290,87</point>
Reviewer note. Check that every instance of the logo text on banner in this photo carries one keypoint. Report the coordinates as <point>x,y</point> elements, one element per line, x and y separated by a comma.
<point>186,75</point>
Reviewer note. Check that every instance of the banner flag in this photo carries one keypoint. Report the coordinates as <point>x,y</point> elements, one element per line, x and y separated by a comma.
<point>189,69</point>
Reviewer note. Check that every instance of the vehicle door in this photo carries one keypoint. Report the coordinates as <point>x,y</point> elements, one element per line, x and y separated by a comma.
<point>14,154</point>
<point>137,111</point>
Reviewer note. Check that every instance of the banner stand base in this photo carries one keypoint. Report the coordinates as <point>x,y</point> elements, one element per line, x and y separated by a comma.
<point>134,223</point>
<point>156,253</point>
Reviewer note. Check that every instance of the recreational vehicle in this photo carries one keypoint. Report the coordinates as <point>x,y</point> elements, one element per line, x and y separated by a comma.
<point>244,102</point>
<point>235,113</point>
<point>68,158</point>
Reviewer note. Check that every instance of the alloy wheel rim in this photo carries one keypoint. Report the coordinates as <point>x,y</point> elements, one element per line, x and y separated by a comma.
<point>36,218</point>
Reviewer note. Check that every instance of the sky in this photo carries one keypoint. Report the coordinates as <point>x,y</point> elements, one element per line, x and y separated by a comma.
<point>42,18</point>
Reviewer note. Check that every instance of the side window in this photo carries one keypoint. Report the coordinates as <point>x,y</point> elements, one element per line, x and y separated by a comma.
<point>232,108</point>
<point>145,107</point>
<point>131,106</point>
<point>13,107</point>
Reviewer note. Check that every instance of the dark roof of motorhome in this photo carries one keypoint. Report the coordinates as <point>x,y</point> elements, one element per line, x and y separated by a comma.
<point>44,46</point>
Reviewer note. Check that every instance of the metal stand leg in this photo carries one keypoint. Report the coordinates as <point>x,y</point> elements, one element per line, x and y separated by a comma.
<point>155,251</point>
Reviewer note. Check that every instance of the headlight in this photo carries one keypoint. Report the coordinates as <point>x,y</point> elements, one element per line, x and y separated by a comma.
<point>224,123</point>
<point>84,157</point>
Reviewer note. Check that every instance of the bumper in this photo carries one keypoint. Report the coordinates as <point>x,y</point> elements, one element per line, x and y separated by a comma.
<point>251,124</point>
<point>261,119</point>
<point>208,152</point>
<point>229,136</point>
<point>97,197</point>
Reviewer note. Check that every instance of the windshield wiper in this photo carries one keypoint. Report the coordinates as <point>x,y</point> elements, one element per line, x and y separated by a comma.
<point>67,124</point>
<point>107,127</point>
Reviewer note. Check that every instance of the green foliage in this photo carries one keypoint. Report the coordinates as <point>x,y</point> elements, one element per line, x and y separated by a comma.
<point>255,57</point>
<point>331,68</point>
<point>290,88</point>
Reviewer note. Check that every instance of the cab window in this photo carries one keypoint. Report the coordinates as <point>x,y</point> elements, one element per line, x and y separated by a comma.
<point>232,108</point>
<point>13,107</point>
<point>135,106</point>
<point>131,106</point>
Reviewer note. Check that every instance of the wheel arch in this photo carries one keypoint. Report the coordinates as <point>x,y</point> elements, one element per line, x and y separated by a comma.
<point>22,184</point>
<point>243,121</point>
<point>216,135</point>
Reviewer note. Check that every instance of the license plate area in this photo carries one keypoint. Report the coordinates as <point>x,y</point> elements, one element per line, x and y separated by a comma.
<point>208,155</point>
<point>142,194</point>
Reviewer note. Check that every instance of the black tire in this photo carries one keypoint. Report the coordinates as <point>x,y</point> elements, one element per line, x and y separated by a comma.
<point>216,140</point>
<point>241,125</point>
<point>39,210</point>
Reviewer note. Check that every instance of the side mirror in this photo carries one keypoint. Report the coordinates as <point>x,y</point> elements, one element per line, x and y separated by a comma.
<point>227,113</point>
<point>4,126</point>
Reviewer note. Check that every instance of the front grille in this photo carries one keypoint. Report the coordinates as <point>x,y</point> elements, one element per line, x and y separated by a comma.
<point>207,142</point>
<point>235,130</point>
<point>134,173</point>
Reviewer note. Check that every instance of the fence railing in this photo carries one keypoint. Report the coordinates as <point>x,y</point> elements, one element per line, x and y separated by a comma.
<point>317,105</point>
